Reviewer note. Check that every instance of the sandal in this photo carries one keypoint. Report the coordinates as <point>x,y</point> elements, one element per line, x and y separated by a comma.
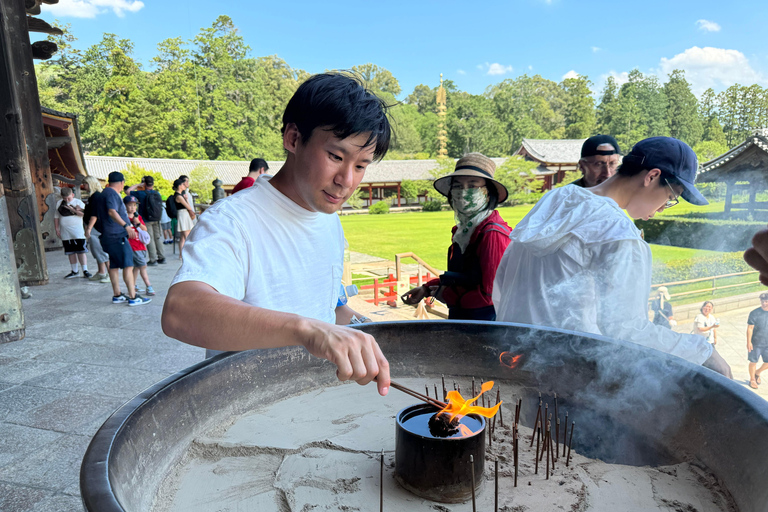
<point>753,384</point>
<point>757,378</point>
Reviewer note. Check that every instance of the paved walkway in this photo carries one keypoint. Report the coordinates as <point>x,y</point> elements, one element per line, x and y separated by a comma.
<point>83,357</point>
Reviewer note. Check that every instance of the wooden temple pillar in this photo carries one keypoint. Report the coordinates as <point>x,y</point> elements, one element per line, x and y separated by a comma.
<point>398,195</point>
<point>728,196</point>
<point>22,209</point>
<point>34,131</point>
<point>370,195</point>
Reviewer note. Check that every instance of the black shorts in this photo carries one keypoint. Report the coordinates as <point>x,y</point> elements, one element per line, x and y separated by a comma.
<point>120,252</point>
<point>757,352</point>
<point>76,246</point>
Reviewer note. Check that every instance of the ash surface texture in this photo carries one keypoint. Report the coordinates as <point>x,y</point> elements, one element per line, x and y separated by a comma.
<point>320,452</point>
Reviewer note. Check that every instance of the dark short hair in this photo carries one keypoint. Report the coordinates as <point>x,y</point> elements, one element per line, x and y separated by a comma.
<point>149,180</point>
<point>630,168</point>
<point>178,182</point>
<point>493,196</point>
<point>340,102</point>
<point>258,163</point>
<point>184,177</point>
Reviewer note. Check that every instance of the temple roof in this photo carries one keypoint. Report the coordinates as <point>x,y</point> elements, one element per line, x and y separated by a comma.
<point>552,151</point>
<point>758,140</point>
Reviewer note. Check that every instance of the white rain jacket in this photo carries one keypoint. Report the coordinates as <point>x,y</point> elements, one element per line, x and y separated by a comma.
<point>577,262</point>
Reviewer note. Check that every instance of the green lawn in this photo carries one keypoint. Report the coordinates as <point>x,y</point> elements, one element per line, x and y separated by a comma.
<point>428,235</point>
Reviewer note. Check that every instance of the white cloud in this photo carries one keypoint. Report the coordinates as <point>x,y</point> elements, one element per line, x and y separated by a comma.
<point>570,74</point>
<point>461,72</point>
<point>712,67</point>
<point>495,68</point>
<point>620,78</point>
<point>530,68</point>
<point>596,49</point>
<point>92,8</point>
<point>708,26</point>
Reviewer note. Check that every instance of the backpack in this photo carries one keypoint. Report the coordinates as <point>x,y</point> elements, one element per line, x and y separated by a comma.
<point>170,207</point>
<point>154,206</point>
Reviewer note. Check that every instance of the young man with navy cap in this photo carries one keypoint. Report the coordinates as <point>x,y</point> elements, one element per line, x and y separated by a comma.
<point>600,156</point>
<point>577,262</point>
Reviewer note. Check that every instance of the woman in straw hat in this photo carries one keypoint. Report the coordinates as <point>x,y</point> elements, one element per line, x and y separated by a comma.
<point>480,237</point>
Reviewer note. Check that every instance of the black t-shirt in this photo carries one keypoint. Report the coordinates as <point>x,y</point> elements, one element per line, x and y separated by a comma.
<point>759,318</point>
<point>91,210</point>
<point>661,314</point>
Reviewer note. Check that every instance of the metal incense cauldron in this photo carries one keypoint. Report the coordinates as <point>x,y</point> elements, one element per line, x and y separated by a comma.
<point>636,406</point>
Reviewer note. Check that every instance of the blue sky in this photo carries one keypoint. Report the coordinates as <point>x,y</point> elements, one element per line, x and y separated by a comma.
<point>476,44</point>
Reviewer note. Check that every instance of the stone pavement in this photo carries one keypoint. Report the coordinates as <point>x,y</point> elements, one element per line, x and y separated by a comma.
<point>732,343</point>
<point>83,357</point>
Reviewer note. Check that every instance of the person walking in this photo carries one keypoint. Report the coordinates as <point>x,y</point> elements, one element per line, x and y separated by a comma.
<point>757,341</point>
<point>68,221</point>
<point>705,323</point>
<point>151,211</point>
<point>479,239</point>
<point>257,167</point>
<point>92,234</point>
<point>185,214</point>
<point>138,244</point>
<point>117,230</point>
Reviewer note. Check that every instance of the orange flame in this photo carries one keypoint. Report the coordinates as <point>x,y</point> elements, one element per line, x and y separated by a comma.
<point>458,407</point>
<point>509,360</point>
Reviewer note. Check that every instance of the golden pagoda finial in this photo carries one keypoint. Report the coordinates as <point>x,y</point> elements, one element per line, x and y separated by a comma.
<point>442,134</point>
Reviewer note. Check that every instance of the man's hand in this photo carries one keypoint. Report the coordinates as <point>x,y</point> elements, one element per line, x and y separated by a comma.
<point>132,234</point>
<point>356,354</point>
<point>757,255</point>
<point>718,364</point>
<point>750,348</point>
<point>58,233</point>
<point>88,232</point>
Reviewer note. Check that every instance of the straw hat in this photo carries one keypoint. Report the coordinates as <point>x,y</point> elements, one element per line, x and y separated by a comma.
<point>663,292</point>
<point>472,164</point>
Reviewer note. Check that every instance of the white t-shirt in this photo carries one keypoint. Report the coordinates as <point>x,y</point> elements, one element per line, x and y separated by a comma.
<point>704,321</point>
<point>71,226</point>
<point>260,247</point>
<point>577,262</point>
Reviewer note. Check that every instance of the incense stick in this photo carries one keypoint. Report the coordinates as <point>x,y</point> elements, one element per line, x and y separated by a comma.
<point>472,462</point>
<point>557,437</point>
<point>416,394</point>
<point>565,432</point>
<point>381,484</point>
<point>538,429</point>
<point>498,399</point>
<point>496,486</point>
<point>536,422</point>
<point>547,441</point>
<point>570,442</point>
<point>515,444</point>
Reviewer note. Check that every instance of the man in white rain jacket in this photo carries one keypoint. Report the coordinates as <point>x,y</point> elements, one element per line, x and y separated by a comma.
<point>577,261</point>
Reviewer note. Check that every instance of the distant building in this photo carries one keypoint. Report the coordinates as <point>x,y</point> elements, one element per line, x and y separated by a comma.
<point>555,158</point>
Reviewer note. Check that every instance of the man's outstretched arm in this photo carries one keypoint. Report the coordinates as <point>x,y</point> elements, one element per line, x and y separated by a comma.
<point>195,313</point>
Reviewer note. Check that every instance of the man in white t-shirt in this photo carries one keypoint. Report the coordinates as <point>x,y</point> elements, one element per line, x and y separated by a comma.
<point>262,268</point>
<point>68,221</point>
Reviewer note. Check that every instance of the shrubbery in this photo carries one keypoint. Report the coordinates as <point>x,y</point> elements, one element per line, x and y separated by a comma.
<point>706,234</point>
<point>694,268</point>
<point>379,208</point>
<point>432,206</point>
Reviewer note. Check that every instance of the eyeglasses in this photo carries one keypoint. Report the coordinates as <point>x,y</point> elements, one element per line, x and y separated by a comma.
<point>672,202</point>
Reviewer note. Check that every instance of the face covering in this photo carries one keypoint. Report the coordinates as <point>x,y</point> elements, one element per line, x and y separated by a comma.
<point>470,208</point>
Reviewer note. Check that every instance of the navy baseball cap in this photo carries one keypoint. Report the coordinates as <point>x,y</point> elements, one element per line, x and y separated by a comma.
<point>115,177</point>
<point>672,156</point>
<point>130,199</point>
<point>589,148</point>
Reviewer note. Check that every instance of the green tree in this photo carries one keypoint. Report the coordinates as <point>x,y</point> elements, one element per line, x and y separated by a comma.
<point>607,109</point>
<point>472,127</point>
<point>377,79</point>
<point>133,174</point>
<point>708,150</point>
<point>579,107</point>
<point>517,175</point>
<point>682,109</point>
<point>201,182</point>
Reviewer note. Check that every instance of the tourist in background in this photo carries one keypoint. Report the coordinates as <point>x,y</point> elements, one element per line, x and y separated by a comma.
<point>68,221</point>
<point>600,157</point>
<point>705,322</point>
<point>185,214</point>
<point>165,224</point>
<point>757,341</point>
<point>92,234</point>
<point>479,239</point>
<point>138,244</point>
<point>257,167</point>
<point>151,211</point>
<point>662,309</point>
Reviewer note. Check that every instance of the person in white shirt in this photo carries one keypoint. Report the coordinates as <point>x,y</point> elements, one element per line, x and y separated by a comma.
<point>578,262</point>
<point>262,268</point>
<point>706,324</point>
<point>68,222</point>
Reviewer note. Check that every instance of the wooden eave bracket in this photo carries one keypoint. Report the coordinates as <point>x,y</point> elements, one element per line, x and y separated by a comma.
<point>38,25</point>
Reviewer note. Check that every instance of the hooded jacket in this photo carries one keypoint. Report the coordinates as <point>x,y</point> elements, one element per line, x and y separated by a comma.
<point>577,262</point>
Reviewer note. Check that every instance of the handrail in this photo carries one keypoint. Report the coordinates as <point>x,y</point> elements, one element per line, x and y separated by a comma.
<point>700,279</point>
<point>421,262</point>
<point>711,289</point>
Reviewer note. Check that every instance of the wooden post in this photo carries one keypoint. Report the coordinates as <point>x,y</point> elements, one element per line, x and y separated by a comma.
<point>11,314</point>
<point>23,212</point>
<point>728,196</point>
<point>370,195</point>
<point>34,132</point>
<point>398,195</point>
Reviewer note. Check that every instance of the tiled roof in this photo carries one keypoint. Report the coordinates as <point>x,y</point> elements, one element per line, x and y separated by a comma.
<point>230,172</point>
<point>759,138</point>
<point>564,151</point>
